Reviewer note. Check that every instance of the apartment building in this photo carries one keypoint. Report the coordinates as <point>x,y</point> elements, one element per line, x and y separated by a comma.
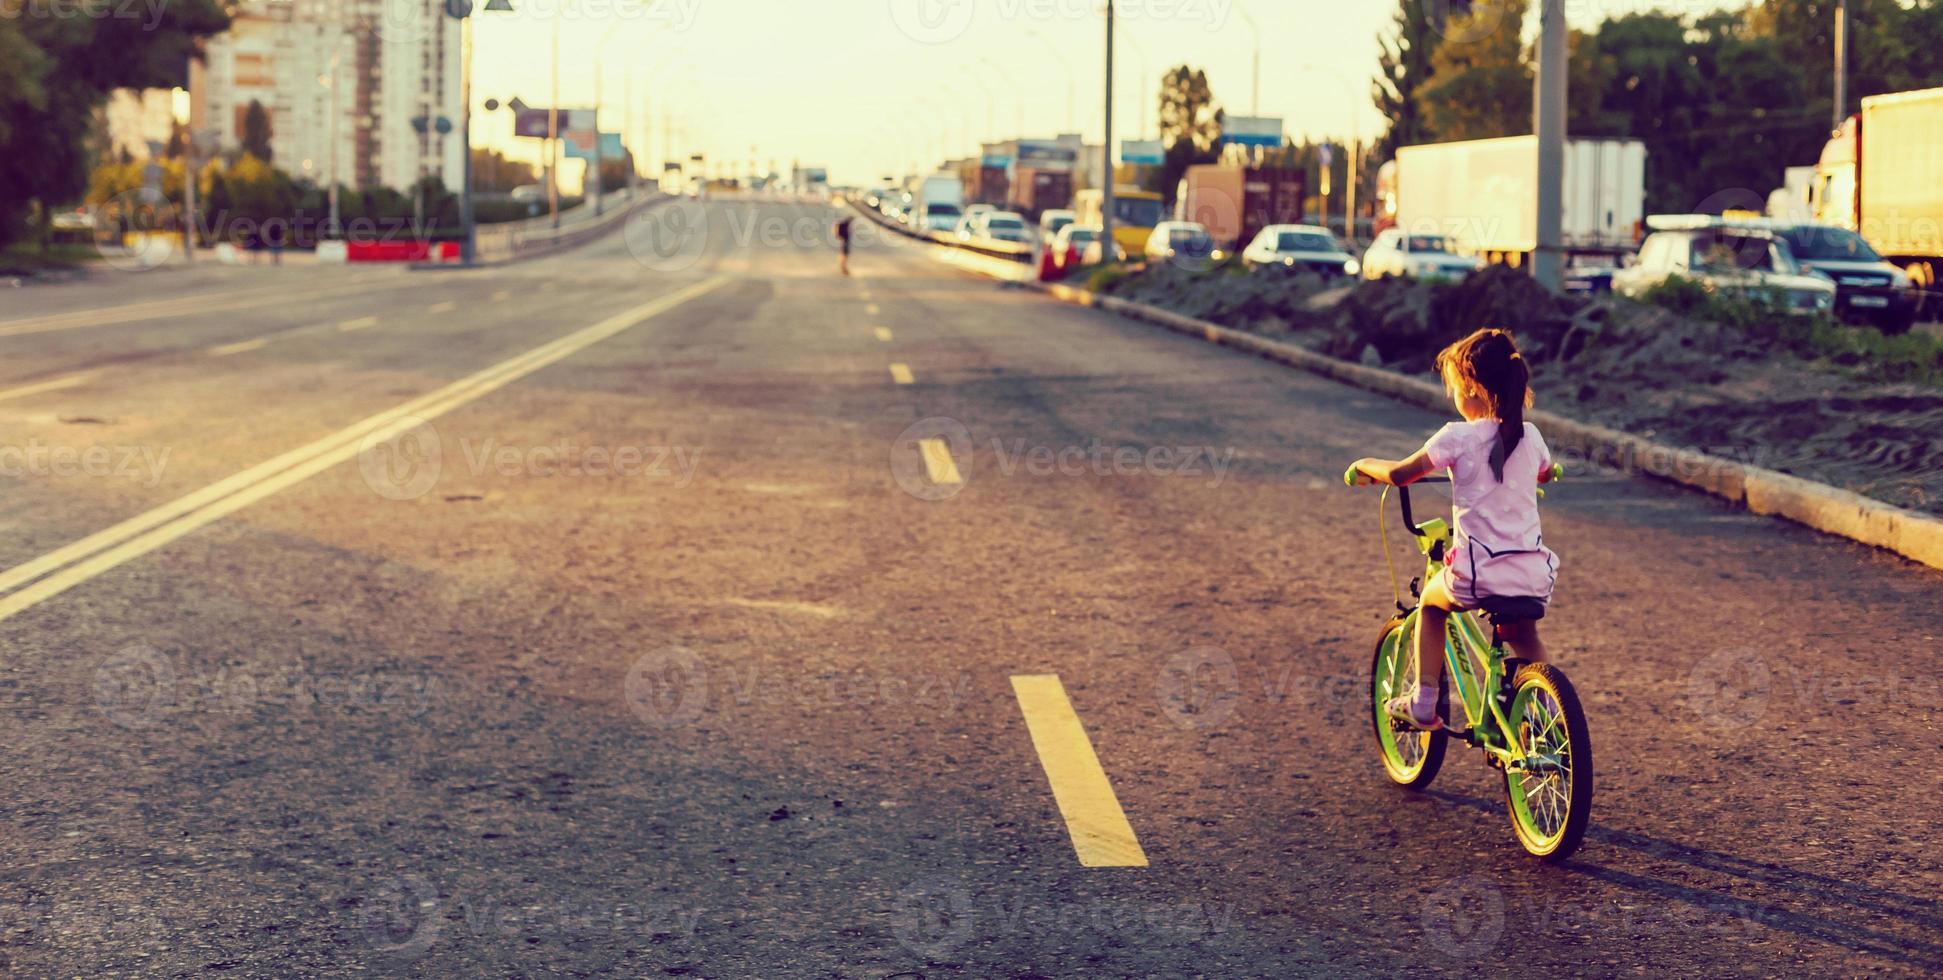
<point>354,88</point>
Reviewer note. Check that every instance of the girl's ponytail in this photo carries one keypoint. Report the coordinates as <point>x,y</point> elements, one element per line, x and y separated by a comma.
<point>1510,394</point>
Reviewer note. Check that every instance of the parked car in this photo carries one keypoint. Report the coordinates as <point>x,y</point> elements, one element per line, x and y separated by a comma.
<point>966,229</point>
<point>1078,245</point>
<point>1004,226</point>
<point>1182,240</point>
<point>1867,287</point>
<point>1724,257</point>
<point>1052,221</point>
<point>1394,253</point>
<point>1300,247</point>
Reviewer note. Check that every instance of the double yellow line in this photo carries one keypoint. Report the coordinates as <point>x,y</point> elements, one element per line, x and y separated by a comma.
<point>28,584</point>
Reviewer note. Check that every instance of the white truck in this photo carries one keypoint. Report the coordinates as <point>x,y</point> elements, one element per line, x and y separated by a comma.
<point>1482,195</point>
<point>940,202</point>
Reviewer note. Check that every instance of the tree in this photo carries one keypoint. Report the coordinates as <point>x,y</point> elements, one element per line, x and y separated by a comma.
<point>1480,84</point>
<point>55,72</point>
<point>493,173</point>
<point>1190,127</point>
<point>256,132</point>
<point>1404,67</point>
<point>1187,110</point>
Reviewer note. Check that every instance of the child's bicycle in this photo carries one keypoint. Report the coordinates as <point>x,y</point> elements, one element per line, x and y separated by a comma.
<point>1524,716</point>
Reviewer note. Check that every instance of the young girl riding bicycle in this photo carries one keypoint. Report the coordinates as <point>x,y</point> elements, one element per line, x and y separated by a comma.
<point>1496,461</point>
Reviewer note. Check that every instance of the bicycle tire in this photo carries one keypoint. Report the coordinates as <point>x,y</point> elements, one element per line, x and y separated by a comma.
<point>1409,769</point>
<point>1540,839</point>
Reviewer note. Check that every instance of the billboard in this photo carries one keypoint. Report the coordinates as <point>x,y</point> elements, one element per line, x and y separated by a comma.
<point>532,123</point>
<point>1144,152</point>
<point>1263,131</point>
<point>580,146</point>
<point>1046,155</point>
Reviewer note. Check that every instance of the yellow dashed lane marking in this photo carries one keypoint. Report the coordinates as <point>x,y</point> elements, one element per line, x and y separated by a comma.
<point>445,307</point>
<point>358,324</point>
<point>938,463</point>
<point>51,384</point>
<point>884,334</point>
<point>1102,837</point>
<point>872,309</point>
<point>240,347</point>
<point>40,579</point>
<point>901,373</point>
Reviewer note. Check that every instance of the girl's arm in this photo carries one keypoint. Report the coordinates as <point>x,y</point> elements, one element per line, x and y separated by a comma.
<point>1396,472</point>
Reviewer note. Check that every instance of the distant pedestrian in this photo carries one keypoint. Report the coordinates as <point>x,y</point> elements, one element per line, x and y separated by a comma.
<point>843,244</point>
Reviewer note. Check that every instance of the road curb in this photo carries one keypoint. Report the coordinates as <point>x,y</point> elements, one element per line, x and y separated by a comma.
<point>1832,510</point>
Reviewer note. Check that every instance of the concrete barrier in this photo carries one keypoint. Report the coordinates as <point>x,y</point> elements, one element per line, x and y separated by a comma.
<point>1913,535</point>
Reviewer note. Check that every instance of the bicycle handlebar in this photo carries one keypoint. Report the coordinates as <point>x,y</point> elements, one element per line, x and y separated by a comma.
<point>1350,476</point>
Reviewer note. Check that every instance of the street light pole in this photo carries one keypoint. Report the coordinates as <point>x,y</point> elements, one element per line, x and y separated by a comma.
<point>1255,105</point>
<point>467,229</point>
<point>553,132</point>
<point>1548,106</point>
<point>1107,250</point>
<point>1841,64</point>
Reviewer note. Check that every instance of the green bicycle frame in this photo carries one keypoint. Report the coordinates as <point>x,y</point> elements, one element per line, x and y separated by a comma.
<point>1472,662</point>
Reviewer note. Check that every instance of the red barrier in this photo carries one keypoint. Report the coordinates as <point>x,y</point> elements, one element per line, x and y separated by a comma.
<point>406,251</point>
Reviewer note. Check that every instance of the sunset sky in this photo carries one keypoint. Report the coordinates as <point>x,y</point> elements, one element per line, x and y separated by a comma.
<point>864,86</point>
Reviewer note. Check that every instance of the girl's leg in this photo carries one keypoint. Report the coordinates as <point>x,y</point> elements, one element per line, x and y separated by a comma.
<point>1433,617</point>
<point>1524,642</point>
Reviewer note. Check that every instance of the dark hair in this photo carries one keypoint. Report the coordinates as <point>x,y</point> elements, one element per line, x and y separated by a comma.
<point>1490,360</point>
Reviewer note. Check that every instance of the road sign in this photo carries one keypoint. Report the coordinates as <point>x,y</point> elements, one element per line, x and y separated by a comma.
<point>1146,152</point>
<point>1264,131</point>
<point>533,123</point>
<point>580,146</point>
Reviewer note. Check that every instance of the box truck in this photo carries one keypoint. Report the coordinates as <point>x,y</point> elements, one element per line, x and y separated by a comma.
<point>940,202</point>
<point>1482,195</point>
<point>1235,202</point>
<point>1882,175</point>
<point>1036,190</point>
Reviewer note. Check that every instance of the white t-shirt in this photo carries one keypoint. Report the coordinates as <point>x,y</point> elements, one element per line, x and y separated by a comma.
<point>1498,550</point>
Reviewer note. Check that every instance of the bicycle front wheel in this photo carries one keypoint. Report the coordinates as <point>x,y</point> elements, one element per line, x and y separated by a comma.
<point>1550,795</point>
<point>1410,758</point>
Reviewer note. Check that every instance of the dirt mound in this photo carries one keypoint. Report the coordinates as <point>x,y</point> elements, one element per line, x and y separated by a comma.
<point>1726,390</point>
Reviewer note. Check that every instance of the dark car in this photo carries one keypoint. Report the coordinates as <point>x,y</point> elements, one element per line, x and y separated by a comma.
<point>1867,288</point>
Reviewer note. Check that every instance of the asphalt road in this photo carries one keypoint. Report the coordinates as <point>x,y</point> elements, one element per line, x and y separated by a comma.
<point>603,615</point>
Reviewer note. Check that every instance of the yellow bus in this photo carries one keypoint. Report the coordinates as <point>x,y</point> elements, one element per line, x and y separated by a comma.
<point>1135,213</point>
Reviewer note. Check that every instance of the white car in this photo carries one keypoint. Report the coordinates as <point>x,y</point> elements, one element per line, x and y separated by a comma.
<point>1415,257</point>
<point>1077,245</point>
<point>1300,247</point>
<point>1053,220</point>
<point>1004,226</point>
<point>1727,258</point>
<point>1182,241</point>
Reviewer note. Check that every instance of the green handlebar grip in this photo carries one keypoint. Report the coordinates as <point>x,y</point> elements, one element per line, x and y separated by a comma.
<point>1349,476</point>
<point>1558,473</point>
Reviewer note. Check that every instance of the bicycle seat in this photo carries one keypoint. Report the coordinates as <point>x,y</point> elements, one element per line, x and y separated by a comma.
<point>1512,609</point>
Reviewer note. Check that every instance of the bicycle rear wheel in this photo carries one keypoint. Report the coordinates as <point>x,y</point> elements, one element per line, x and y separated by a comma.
<point>1410,758</point>
<point>1550,799</point>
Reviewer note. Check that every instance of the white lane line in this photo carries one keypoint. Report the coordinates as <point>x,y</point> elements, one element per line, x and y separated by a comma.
<point>938,464</point>
<point>360,323</point>
<point>51,384</point>
<point>240,347</point>
<point>1102,837</point>
<point>901,373</point>
<point>158,309</point>
<point>884,334</point>
<point>502,296</point>
<point>77,562</point>
<point>445,307</point>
